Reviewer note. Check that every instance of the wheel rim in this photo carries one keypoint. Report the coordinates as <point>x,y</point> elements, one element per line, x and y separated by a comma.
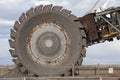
<point>49,44</point>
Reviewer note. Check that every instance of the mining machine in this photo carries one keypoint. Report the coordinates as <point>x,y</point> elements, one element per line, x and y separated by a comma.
<point>49,40</point>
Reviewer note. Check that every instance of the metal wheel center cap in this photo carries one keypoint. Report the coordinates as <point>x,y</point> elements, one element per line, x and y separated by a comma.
<point>48,43</point>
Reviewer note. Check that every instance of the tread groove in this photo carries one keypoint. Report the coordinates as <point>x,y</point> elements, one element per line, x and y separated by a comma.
<point>12,44</point>
<point>38,9</point>
<point>66,12</point>
<point>13,53</point>
<point>84,42</point>
<point>22,18</point>
<point>47,7</point>
<point>83,33</point>
<point>73,17</point>
<point>16,25</point>
<point>12,34</point>
<point>84,52</point>
<point>17,62</point>
<point>57,8</point>
<point>30,13</point>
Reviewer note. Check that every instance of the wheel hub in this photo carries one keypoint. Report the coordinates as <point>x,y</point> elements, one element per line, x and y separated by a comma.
<point>48,43</point>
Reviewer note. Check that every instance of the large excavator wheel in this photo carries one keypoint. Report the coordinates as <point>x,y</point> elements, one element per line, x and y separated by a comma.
<point>46,41</point>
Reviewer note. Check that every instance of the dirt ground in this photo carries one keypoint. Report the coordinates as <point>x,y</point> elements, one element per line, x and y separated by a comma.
<point>90,73</point>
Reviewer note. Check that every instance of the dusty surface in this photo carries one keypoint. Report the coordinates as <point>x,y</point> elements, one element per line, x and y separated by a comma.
<point>87,74</point>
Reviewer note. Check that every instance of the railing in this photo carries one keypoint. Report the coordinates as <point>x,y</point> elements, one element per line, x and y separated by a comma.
<point>63,78</point>
<point>13,79</point>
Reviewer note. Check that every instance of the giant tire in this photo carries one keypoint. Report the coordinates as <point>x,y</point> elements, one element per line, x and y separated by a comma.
<point>57,51</point>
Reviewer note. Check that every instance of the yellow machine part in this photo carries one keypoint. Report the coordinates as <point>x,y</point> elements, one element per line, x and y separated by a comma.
<point>110,33</point>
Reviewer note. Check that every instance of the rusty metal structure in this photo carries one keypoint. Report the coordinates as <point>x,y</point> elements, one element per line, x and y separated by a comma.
<point>50,41</point>
<point>102,26</point>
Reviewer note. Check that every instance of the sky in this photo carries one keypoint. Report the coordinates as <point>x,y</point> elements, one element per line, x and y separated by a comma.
<point>10,10</point>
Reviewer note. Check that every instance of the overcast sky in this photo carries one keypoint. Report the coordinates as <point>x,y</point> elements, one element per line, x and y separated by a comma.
<point>10,10</point>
